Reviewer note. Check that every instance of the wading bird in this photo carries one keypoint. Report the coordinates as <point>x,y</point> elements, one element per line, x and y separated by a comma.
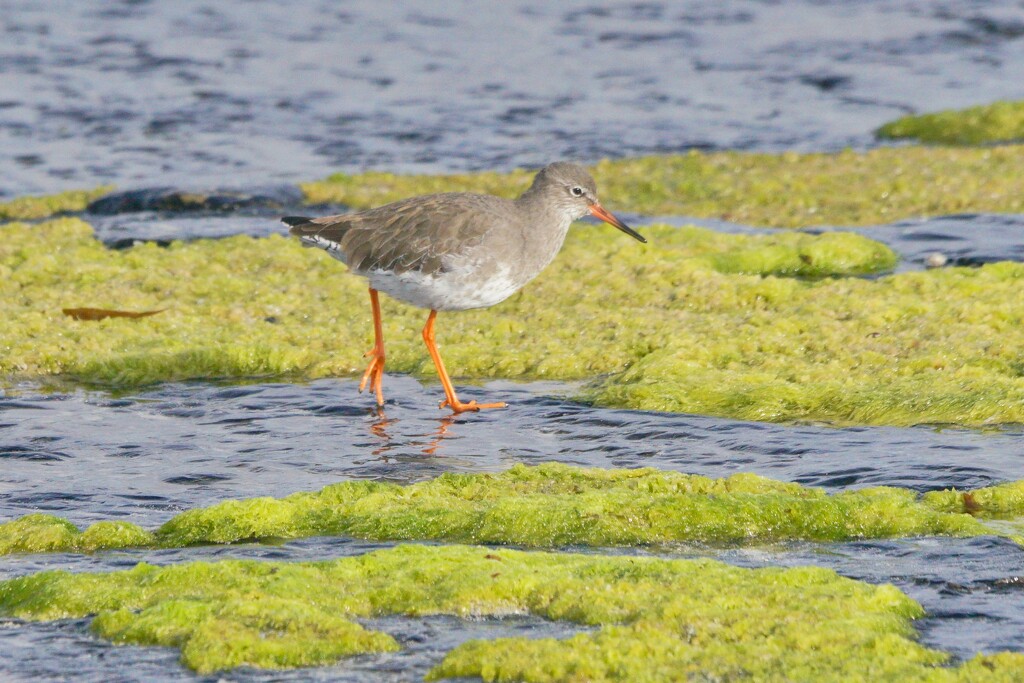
<point>455,251</point>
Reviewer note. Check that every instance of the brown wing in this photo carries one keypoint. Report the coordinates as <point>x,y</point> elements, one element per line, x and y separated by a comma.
<point>421,233</point>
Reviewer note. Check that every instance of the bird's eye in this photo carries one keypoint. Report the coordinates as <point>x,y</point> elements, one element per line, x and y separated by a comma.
<point>577,191</point>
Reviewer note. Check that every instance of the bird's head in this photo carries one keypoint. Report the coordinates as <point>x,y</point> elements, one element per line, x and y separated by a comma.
<point>571,190</point>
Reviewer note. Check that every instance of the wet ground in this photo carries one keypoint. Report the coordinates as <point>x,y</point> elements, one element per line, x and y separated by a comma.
<point>195,95</point>
<point>137,93</point>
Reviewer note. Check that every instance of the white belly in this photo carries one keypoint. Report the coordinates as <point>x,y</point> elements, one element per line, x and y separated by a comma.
<point>451,291</point>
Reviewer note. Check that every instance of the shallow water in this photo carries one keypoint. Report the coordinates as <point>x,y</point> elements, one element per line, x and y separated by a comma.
<point>87,456</point>
<point>148,454</point>
<point>212,94</point>
<point>961,240</point>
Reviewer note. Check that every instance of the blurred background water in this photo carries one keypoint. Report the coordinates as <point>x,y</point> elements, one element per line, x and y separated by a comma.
<point>260,95</point>
<point>143,93</point>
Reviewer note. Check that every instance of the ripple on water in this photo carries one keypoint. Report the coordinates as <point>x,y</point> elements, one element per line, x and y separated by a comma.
<point>145,455</point>
<point>102,93</point>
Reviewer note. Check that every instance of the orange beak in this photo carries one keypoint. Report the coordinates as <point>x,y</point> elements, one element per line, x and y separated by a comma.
<point>598,211</point>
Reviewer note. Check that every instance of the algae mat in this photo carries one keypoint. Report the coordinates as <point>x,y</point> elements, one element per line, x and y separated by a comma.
<point>987,123</point>
<point>656,619</point>
<point>784,190</point>
<point>556,505</point>
<point>28,208</point>
<point>787,190</point>
<point>696,322</point>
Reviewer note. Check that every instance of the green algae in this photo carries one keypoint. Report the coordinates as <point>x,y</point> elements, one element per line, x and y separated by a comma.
<point>554,505</point>
<point>655,619</point>
<point>668,326</point>
<point>796,254</point>
<point>32,208</point>
<point>1000,501</point>
<point>558,505</point>
<point>785,190</point>
<point>245,630</point>
<point>988,123</point>
<point>36,533</point>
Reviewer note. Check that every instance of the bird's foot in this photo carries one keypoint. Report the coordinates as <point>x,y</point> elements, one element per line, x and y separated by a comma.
<point>458,406</point>
<point>374,375</point>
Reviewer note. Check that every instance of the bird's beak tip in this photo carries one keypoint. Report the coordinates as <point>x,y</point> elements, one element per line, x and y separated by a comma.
<point>598,211</point>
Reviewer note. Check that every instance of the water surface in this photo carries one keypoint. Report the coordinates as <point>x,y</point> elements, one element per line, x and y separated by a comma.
<point>135,92</point>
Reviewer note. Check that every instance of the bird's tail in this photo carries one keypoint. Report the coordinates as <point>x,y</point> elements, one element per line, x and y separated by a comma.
<point>304,228</point>
<point>296,223</point>
<point>310,232</point>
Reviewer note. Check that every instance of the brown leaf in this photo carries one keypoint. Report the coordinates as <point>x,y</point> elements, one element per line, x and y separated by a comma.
<point>971,506</point>
<point>102,313</point>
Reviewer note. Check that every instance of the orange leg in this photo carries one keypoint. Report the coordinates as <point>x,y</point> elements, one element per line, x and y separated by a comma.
<point>374,374</point>
<point>450,400</point>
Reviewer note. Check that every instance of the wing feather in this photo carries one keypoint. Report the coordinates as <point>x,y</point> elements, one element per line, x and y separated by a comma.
<point>418,234</point>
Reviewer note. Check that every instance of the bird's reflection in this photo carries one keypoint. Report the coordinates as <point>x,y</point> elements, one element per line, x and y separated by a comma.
<point>381,423</point>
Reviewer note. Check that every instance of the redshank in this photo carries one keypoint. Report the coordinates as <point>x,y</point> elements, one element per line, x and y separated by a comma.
<point>455,251</point>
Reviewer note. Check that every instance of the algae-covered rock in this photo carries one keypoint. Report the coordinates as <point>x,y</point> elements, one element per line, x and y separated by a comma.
<point>30,208</point>
<point>988,123</point>
<point>695,322</point>
<point>111,535</point>
<point>908,349</point>
<point>785,190</point>
<point>657,619</point>
<point>258,628</point>
<point>36,533</point>
<point>556,505</point>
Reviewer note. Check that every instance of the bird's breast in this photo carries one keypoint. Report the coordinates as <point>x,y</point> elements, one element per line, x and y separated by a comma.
<point>448,290</point>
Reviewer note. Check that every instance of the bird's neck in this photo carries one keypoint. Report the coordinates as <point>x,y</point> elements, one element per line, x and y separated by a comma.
<point>543,214</point>
<point>542,208</point>
<point>545,226</point>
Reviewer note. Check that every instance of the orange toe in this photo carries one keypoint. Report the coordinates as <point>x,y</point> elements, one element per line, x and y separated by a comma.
<point>374,377</point>
<point>459,407</point>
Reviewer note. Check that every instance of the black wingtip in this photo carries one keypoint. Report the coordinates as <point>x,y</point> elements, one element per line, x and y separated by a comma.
<point>292,221</point>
